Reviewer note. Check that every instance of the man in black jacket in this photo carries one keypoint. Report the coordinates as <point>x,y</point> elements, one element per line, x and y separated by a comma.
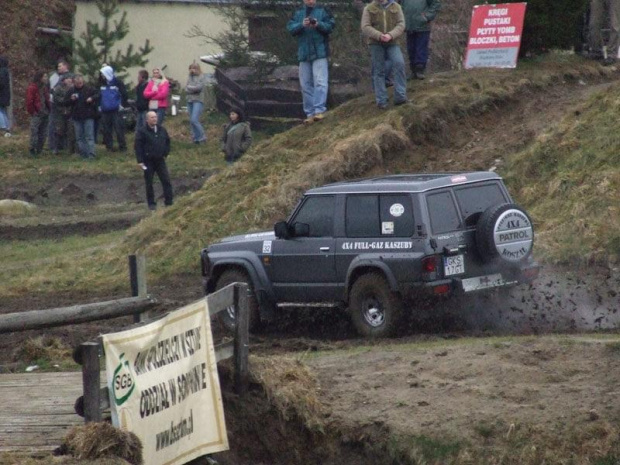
<point>142,103</point>
<point>84,101</point>
<point>152,146</point>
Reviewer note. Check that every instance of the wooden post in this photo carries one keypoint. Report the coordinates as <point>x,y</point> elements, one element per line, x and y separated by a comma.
<point>242,338</point>
<point>91,380</point>
<point>137,278</point>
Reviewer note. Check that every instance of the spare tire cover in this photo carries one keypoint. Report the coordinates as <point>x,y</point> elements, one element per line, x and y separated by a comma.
<point>505,231</point>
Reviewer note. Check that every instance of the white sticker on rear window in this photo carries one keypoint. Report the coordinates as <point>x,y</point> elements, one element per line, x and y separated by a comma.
<point>387,227</point>
<point>397,210</point>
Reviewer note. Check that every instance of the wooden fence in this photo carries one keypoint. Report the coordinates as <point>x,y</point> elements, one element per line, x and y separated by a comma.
<point>95,401</point>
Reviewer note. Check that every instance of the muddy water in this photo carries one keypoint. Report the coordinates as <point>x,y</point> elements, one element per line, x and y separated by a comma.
<point>560,300</point>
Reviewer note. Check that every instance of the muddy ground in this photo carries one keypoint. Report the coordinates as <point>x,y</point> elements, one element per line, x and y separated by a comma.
<point>444,388</point>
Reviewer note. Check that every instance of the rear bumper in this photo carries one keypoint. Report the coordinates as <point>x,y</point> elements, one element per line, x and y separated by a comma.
<point>506,278</point>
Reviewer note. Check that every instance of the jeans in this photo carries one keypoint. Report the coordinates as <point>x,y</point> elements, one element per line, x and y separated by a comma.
<point>141,119</point>
<point>161,114</point>
<point>4,119</point>
<point>157,165</point>
<point>112,121</point>
<point>85,137</point>
<point>417,49</point>
<point>379,54</point>
<point>195,110</point>
<point>313,81</point>
<point>38,132</point>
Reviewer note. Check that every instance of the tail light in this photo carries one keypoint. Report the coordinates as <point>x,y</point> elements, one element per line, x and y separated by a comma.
<point>429,268</point>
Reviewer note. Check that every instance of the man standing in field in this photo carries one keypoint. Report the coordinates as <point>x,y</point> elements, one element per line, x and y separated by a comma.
<point>604,14</point>
<point>418,17</point>
<point>152,146</point>
<point>311,25</point>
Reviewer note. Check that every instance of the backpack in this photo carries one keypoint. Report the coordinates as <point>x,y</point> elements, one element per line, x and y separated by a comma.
<point>110,98</point>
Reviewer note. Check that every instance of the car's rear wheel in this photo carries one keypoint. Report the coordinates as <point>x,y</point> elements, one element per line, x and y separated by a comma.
<point>227,318</point>
<point>375,310</point>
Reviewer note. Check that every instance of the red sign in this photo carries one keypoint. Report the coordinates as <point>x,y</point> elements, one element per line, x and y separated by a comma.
<point>495,35</point>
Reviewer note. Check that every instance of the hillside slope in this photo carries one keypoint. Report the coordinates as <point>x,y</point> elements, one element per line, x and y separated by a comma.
<point>458,121</point>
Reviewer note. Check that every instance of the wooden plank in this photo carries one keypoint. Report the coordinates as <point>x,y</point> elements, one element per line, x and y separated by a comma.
<point>242,338</point>
<point>273,109</point>
<point>222,299</point>
<point>224,351</point>
<point>38,319</point>
<point>225,82</point>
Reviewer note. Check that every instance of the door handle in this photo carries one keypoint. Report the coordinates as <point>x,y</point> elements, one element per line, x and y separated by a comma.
<point>324,249</point>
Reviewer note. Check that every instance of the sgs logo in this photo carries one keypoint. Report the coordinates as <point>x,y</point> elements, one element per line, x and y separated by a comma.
<point>123,382</point>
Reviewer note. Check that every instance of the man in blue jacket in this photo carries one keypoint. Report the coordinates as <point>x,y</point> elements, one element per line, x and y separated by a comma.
<point>418,17</point>
<point>311,25</point>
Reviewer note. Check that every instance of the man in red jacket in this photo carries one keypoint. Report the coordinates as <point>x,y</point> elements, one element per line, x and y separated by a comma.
<point>38,107</point>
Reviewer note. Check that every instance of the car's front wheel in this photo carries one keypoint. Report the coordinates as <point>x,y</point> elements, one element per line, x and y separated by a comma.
<point>375,310</point>
<point>227,317</point>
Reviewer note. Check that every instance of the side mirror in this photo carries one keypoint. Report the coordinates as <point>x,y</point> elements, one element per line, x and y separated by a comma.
<point>281,230</point>
<point>301,230</point>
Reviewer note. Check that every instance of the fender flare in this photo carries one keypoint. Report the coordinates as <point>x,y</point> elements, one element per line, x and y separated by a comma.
<point>363,265</point>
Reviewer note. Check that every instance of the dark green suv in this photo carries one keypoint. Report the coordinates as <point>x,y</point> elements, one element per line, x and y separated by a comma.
<point>378,245</point>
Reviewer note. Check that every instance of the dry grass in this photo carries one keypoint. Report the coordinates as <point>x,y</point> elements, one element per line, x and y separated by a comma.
<point>355,141</point>
<point>291,388</point>
<point>42,349</point>
<point>102,440</point>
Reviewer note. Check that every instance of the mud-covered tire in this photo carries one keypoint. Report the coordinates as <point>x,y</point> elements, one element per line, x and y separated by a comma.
<point>375,310</point>
<point>504,232</point>
<point>227,317</point>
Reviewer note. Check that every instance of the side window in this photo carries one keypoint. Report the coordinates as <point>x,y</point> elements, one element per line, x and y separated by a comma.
<point>396,215</point>
<point>362,216</point>
<point>442,211</point>
<point>473,200</point>
<point>318,213</point>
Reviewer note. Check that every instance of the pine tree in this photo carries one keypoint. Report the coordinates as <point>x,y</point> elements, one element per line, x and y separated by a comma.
<point>97,45</point>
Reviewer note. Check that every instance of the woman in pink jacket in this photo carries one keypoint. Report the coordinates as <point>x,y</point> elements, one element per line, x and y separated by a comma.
<point>157,91</point>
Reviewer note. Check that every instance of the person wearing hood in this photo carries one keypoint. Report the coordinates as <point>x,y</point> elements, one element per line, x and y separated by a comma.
<point>5,96</point>
<point>157,91</point>
<point>236,137</point>
<point>113,96</point>
<point>383,23</point>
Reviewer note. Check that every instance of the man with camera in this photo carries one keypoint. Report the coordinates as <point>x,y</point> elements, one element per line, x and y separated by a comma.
<point>311,25</point>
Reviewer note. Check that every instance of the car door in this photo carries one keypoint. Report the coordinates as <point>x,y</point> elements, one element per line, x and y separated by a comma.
<point>302,269</point>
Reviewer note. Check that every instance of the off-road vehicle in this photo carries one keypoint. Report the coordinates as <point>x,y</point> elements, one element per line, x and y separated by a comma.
<point>378,245</point>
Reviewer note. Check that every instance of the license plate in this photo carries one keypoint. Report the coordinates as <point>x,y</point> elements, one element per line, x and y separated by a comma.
<point>453,265</point>
<point>484,282</point>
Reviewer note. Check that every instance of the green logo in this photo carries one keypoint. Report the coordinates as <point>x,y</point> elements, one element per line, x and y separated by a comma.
<point>123,383</point>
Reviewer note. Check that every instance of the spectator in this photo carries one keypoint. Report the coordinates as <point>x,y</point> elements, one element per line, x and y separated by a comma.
<point>63,126</point>
<point>418,17</point>
<point>112,95</point>
<point>383,23</point>
<point>142,103</point>
<point>157,91</point>
<point>5,96</point>
<point>152,146</point>
<point>312,25</point>
<point>604,14</point>
<point>84,101</point>
<point>62,69</point>
<point>236,136</point>
<point>194,89</point>
<point>38,107</point>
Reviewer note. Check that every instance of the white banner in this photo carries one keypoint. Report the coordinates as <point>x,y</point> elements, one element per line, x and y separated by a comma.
<point>164,386</point>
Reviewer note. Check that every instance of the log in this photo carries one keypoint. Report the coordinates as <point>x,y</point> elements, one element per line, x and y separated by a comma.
<point>38,319</point>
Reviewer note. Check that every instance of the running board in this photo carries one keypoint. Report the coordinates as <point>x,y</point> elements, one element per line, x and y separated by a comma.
<point>309,304</point>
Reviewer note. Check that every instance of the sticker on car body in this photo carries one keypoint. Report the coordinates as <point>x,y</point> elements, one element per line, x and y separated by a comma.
<point>267,246</point>
<point>377,245</point>
<point>387,227</point>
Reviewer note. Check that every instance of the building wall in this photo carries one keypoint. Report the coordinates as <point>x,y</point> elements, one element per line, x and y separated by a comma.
<point>165,25</point>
